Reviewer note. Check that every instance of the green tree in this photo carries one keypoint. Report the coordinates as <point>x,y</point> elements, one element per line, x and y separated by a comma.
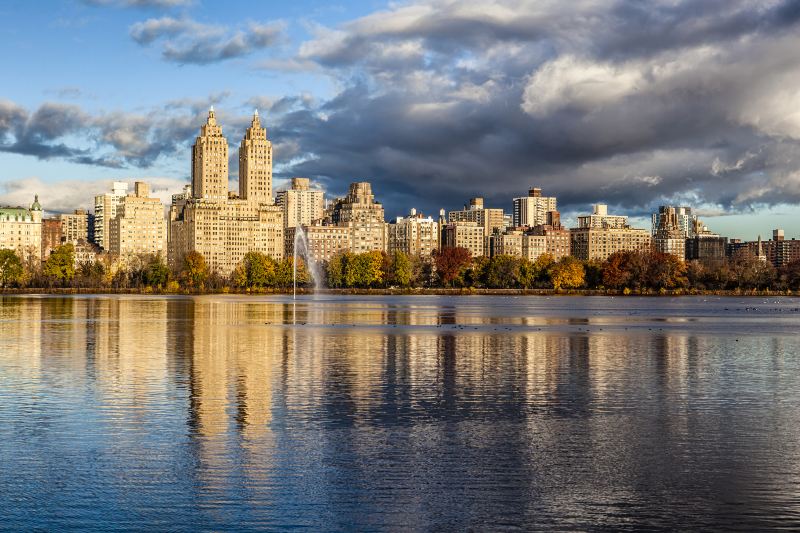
<point>259,270</point>
<point>11,271</point>
<point>567,273</point>
<point>156,272</point>
<point>401,269</point>
<point>60,265</point>
<point>502,272</point>
<point>195,271</point>
<point>335,269</point>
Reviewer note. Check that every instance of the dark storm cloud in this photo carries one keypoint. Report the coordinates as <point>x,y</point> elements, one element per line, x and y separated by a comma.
<point>116,140</point>
<point>632,103</point>
<point>186,41</point>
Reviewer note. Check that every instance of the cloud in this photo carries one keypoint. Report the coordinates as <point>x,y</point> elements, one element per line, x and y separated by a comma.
<point>66,196</point>
<point>164,4</point>
<point>186,41</point>
<point>109,139</point>
<point>632,103</point>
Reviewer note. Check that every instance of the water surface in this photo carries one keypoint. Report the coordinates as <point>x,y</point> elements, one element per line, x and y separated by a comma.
<point>390,413</point>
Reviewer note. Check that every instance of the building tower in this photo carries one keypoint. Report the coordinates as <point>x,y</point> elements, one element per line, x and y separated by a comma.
<point>210,162</point>
<point>255,164</point>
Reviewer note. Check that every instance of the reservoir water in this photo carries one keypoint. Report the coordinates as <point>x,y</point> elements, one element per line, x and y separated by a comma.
<point>398,413</point>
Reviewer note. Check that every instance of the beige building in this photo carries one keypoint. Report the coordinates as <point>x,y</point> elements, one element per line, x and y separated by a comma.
<point>533,243</point>
<point>465,234</point>
<point>354,223</point>
<point>105,210</point>
<point>76,226</point>
<point>601,219</point>
<point>301,204</point>
<point>222,226</point>
<point>599,243</point>
<point>21,230</point>
<point>324,242</point>
<point>140,226</point>
<point>414,235</point>
<point>532,210</point>
<point>255,164</point>
<point>487,218</point>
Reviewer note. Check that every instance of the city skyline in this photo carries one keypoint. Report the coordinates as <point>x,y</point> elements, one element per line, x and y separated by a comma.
<point>422,99</point>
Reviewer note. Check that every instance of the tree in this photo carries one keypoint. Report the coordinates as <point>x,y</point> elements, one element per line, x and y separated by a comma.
<point>541,267</point>
<point>156,272</point>
<point>91,274</point>
<point>567,273</point>
<point>195,271</point>
<point>334,270</point>
<point>449,263</point>
<point>616,274</point>
<point>259,270</point>
<point>666,271</point>
<point>502,272</point>
<point>364,270</point>
<point>790,275</point>
<point>401,269</point>
<point>11,271</point>
<point>60,266</point>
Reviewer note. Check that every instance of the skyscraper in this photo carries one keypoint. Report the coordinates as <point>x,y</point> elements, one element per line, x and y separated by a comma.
<point>140,226</point>
<point>105,209</point>
<point>301,204</point>
<point>532,210</point>
<point>255,164</point>
<point>216,223</point>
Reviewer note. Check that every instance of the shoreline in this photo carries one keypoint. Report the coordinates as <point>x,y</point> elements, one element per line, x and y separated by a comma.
<point>403,292</point>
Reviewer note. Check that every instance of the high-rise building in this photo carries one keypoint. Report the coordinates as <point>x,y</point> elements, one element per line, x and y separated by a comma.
<point>218,224</point>
<point>415,234</point>
<point>669,237</point>
<point>105,210</point>
<point>51,236</point>
<point>532,210</point>
<point>21,230</point>
<point>140,226</point>
<point>487,218</point>
<point>255,164</point>
<point>364,216</point>
<point>354,223</point>
<point>681,218</point>
<point>465,234</point>
<point>301,204</point>
<point>601,219</point>
<point>76,226</point>
<point>210,162</point>
<point>599,235</point>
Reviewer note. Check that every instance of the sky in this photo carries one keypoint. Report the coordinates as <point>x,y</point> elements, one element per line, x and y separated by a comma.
<point>631,103</point>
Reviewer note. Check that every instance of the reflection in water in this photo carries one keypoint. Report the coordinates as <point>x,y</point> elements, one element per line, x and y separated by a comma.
<point>397,413</point>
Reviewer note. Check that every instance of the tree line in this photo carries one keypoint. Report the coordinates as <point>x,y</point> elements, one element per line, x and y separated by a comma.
<point>629,271</point>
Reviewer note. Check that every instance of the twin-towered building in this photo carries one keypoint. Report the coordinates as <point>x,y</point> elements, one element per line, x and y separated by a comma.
<point>219,224</point>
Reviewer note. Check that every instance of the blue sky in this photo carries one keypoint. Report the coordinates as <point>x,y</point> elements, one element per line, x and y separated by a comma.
<point>634,104</point>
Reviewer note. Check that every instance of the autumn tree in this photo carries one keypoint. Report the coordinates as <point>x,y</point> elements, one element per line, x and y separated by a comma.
<point>259,270</point>
<point>502,272</point>
<point>449,262</point>
<point>195,271</point>
<point>567,273</point>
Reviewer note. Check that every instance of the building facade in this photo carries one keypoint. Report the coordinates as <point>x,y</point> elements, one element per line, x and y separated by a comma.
<point>671,232</point>
<point>532,210</point>
<point>222,226</point>
<point>488,219</point>
<point>51,236</point>
<point>140,226</point>
<point>105,210</point>
<point>415,234</point>
<point>601,219</point>
<point>21,230</point>
<point>77,226</point>
<point>465,234</point>
<point>301,204</point>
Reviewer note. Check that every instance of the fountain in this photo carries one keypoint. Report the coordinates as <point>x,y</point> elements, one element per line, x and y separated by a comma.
<point>301,248</point>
